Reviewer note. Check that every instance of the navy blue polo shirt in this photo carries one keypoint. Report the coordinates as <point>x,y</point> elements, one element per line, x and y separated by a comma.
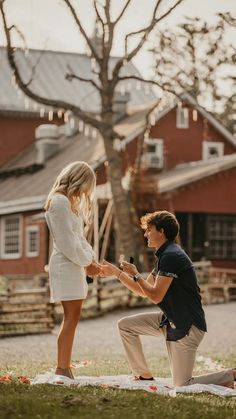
<point>181,305</point>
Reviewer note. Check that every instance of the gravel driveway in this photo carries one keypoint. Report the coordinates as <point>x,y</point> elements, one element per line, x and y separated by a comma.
<point>100,336</point>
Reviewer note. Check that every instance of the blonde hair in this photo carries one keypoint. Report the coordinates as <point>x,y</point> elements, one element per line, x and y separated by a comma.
<point>77,182</point>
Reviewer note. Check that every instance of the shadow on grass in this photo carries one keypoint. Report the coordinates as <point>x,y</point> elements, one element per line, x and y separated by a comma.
<point>48,401</point>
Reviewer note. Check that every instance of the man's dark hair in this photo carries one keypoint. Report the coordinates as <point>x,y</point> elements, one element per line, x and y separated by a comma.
<point>162,219</point>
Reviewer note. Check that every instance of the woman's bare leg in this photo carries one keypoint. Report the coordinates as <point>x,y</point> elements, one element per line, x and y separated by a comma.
<point>72,311</point>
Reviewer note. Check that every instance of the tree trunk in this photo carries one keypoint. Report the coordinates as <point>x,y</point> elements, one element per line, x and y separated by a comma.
<point>121,201</point>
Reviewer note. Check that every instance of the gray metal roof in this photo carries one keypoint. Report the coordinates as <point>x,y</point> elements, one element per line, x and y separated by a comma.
<point>28,192</point>
<point>184,174</point>
<point>49,81</point>
<point>40,182</point>
<point>28,187</point>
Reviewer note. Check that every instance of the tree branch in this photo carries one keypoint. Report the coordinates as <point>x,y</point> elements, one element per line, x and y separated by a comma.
<point>99,19</point>
<point>107,11</point>
<point>109,32</point>
<point>33,69</point>
<point>226,17</point>
<point>24,87</point>
<point>19,33</point>
<point>122,12</point>
<point>86,37</point>
<point>147,30</point>
<point>97,12</point>
<point>70,76</point>
<point>153,82</point>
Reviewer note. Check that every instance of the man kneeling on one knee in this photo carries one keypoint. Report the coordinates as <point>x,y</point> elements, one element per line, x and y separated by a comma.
<point>172,285</point>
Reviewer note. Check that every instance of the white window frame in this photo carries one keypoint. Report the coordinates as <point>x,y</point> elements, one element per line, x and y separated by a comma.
<point>29,229</point>
<point>206,146</point>
<point>221,235</point>
<point>182,123</point>
<point>159,150</point>
<point>13,255</point>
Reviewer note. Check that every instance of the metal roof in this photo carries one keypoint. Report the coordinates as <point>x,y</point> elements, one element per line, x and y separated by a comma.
<point>184,174</point>
<point>28,187</point>
<point>49,81</point>
<point>28,192</point>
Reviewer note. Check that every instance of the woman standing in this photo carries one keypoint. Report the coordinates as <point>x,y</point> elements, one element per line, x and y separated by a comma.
<point>67,207</point>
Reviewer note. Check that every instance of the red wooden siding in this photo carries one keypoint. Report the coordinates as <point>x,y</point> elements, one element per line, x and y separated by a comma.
<point>209,195</point>
<point>185,145</point>
<point>28,265</point>
<point>16,134</point>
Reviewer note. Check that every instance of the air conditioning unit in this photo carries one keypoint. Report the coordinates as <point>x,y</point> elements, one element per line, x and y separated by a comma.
<point>153,161</point>
<point>153,155</point>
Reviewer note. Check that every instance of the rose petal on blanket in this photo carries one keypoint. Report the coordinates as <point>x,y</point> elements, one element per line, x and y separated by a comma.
<point>24,379</point>
<point>5,378</point>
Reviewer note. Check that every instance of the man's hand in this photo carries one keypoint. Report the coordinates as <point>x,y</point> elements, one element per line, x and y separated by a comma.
<point>128,268</point>
<point>93,269</point>
<point>109,269</point>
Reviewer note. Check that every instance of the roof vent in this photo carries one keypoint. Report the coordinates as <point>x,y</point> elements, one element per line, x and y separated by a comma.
<point>47,141</point>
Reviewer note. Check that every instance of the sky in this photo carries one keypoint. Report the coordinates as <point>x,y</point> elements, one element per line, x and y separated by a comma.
<point>47,24</point>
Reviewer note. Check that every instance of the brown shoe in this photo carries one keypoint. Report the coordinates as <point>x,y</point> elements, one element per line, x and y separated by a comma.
<point>66,372</point>
<point>140,378</point>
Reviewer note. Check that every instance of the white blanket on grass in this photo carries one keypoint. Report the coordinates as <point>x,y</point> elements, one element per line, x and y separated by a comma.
<point>159,386</point>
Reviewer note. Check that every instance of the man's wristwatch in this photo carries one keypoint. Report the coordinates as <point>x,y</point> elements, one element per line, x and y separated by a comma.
<point>137,277</point>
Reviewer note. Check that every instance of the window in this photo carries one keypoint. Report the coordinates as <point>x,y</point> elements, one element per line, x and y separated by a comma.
<point>222,236</point>
<point>153,155</point>
<point>212,149</point>
<point>32,241</point>
<point>182,117</point>
<point>11,233</point>
<point>151,148</point>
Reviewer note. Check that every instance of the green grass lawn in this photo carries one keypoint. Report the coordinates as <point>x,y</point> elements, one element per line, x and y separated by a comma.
<point>19,400</point>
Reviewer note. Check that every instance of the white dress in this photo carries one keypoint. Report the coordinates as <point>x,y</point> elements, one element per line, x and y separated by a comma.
<point>71,252</point>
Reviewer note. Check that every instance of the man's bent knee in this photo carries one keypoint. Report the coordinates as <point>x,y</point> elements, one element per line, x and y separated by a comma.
<point>123,323</point>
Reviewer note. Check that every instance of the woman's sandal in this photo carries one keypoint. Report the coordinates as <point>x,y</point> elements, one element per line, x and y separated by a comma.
<point>140,378</point>
<point>66,372</point>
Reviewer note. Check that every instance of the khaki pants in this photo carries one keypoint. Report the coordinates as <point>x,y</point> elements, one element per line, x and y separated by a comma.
<point>181,353</point>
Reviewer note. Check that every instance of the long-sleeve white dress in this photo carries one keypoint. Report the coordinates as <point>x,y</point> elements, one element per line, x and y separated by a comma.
<point>71,252</point>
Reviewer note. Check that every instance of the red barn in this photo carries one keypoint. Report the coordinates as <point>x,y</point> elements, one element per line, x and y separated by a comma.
<point>189,160</point>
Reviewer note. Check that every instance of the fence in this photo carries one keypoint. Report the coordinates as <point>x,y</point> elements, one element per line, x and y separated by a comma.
<point>29,311</point>
<point>25,312</point>
<point>220,287</point>
<point>105,295</point>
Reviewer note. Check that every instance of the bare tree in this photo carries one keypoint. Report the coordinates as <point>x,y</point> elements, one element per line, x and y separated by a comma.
<point>105,83</point>
<point>197,57</point>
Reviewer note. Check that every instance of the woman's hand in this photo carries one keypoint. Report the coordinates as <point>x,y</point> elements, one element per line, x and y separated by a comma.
<point>93,269</point>
<point>109,269</point>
